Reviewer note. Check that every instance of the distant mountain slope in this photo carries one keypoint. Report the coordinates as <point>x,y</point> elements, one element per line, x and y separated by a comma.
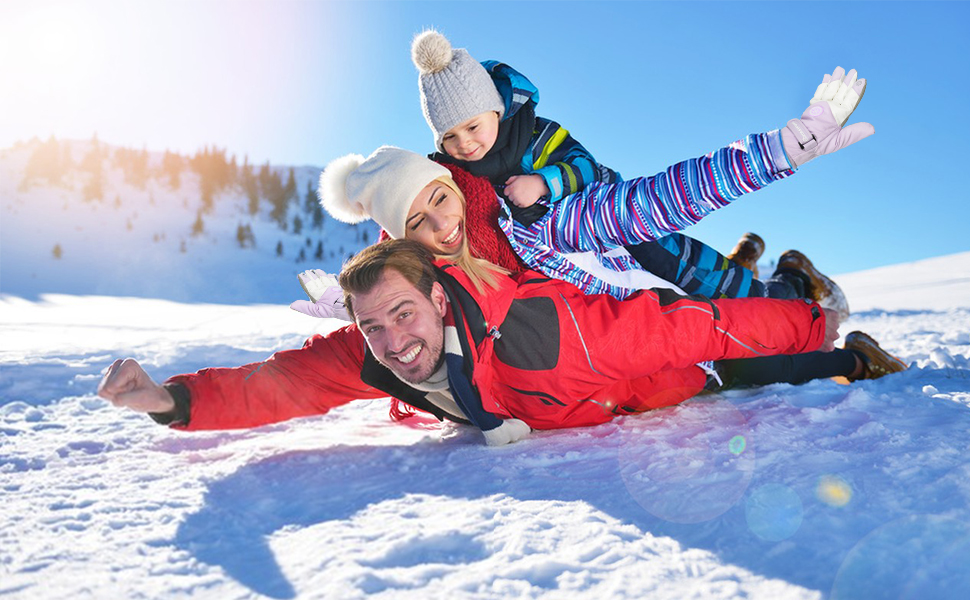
<point>89,218</point>
<point>932,284</point>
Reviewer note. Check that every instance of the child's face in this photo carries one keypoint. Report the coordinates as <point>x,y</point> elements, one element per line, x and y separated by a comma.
<point>436,219</point>
<point>471,140</point>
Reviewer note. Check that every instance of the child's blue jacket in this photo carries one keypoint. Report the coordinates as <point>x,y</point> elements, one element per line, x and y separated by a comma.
<point>565,165</point>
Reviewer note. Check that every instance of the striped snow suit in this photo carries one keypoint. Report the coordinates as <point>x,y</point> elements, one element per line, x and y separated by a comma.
<point>567,168</point>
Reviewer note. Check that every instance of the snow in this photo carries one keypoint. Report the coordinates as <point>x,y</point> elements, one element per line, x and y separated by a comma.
<point>816,491</point>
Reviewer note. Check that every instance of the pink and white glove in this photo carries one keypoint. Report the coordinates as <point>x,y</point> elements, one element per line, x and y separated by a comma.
<point>820,130</point>
<point>326,297</point>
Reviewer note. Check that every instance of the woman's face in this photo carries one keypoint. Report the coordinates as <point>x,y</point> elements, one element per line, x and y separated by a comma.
<point>437,219</point>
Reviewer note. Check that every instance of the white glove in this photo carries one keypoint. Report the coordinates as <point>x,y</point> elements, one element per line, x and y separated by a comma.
<point>511,430</point>
<point>315,282</point>
<point>842,91</point>
<point>327,298</point>
<point>820,130</point>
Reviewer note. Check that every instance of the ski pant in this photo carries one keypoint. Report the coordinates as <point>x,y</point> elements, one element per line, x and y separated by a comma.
<point>785,368</point>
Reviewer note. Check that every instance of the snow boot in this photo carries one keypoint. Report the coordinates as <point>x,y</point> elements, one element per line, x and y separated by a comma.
<point>821,289</point>
<point>747,252</point>
<point>876,361</point>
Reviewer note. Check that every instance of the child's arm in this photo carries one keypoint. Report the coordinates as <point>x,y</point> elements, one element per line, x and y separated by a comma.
<point>564,164</point>
<point>602,217</point>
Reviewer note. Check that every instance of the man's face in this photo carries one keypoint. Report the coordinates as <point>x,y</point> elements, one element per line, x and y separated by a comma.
<point>403,328</point>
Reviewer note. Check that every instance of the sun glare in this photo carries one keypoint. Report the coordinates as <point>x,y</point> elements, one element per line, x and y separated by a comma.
<point>50,53</point>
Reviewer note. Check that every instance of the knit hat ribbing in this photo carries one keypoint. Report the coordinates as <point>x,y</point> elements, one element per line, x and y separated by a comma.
<point>381,186</point>
<point>454,86</point>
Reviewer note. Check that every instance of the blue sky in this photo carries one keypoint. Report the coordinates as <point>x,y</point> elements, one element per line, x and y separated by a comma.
<point>640,84</point>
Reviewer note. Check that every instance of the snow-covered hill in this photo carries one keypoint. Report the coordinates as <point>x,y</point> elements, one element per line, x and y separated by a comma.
<point>89,218</point>
<point>816,491</point>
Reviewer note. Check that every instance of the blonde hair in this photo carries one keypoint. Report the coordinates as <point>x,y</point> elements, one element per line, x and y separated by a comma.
<point>479,271</point>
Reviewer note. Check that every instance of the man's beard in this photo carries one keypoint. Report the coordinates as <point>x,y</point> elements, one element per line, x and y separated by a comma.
<point>419,371</point>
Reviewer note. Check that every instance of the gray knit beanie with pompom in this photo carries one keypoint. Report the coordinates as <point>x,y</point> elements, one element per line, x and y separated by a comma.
<point>454,86</point>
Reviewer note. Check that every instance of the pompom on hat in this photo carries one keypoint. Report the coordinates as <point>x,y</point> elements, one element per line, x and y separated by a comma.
<point>380,187</point>
<point>454,86</point>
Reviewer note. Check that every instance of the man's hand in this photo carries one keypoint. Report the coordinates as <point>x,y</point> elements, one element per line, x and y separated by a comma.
<point>511,430</point>
<point>126,384</point>
<point>525,190</point>
<point>831,330</point>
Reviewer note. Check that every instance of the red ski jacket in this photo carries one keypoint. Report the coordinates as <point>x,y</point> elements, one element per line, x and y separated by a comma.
<point>537,349</point>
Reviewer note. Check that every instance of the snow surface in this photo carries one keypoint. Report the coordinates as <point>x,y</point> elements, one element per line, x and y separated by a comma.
<point>820,490</point>
<point>815,491</point>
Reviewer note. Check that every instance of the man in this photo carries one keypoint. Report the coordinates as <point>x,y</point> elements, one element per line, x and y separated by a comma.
<point>533,352</point>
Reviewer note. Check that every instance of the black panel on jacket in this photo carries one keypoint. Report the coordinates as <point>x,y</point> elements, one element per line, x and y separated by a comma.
<point>530,335</point>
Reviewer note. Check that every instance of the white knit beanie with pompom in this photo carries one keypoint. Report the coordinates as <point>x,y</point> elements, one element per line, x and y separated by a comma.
<point>454,86</point>
<point>381,187</point>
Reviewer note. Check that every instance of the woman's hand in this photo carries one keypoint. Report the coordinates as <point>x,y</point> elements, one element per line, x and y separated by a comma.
<point>326,297</point>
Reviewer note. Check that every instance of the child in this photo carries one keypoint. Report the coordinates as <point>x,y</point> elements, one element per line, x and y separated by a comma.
<point>483,119</point>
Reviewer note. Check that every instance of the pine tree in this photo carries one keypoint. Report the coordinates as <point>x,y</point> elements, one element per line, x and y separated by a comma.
<point>279,248</point>
<point>290,188</point>
<point>198,227</point>
<point>317,216</point>
<point>310,199</point>
<point>134,166</point>
<point>49,163</point>
<point>245,237</point>
<point>250,187</point>
<point>276,194</point>
<point>172,168</point>
<point>93,164</point>
<point>319,253</point>
<point>297,225</point>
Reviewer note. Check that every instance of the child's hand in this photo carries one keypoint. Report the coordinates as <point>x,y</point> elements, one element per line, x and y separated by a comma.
<point>821,128</point>
<point>525,190</point>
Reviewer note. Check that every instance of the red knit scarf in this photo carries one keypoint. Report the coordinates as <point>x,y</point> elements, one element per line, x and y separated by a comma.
<point>485,237</point>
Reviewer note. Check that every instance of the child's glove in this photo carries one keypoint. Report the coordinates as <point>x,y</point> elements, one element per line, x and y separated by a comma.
<point>326,297</point>
<point>820,130</point>
<point>511,430</point>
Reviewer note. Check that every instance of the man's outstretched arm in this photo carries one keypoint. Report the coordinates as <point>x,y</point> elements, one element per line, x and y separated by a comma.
<point>325,373</point>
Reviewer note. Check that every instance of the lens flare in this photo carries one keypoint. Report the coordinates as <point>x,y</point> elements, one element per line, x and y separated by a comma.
<point>774,512</point>
<point>683,464</point>
<point>833,490</point>
<point>911,558</point>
